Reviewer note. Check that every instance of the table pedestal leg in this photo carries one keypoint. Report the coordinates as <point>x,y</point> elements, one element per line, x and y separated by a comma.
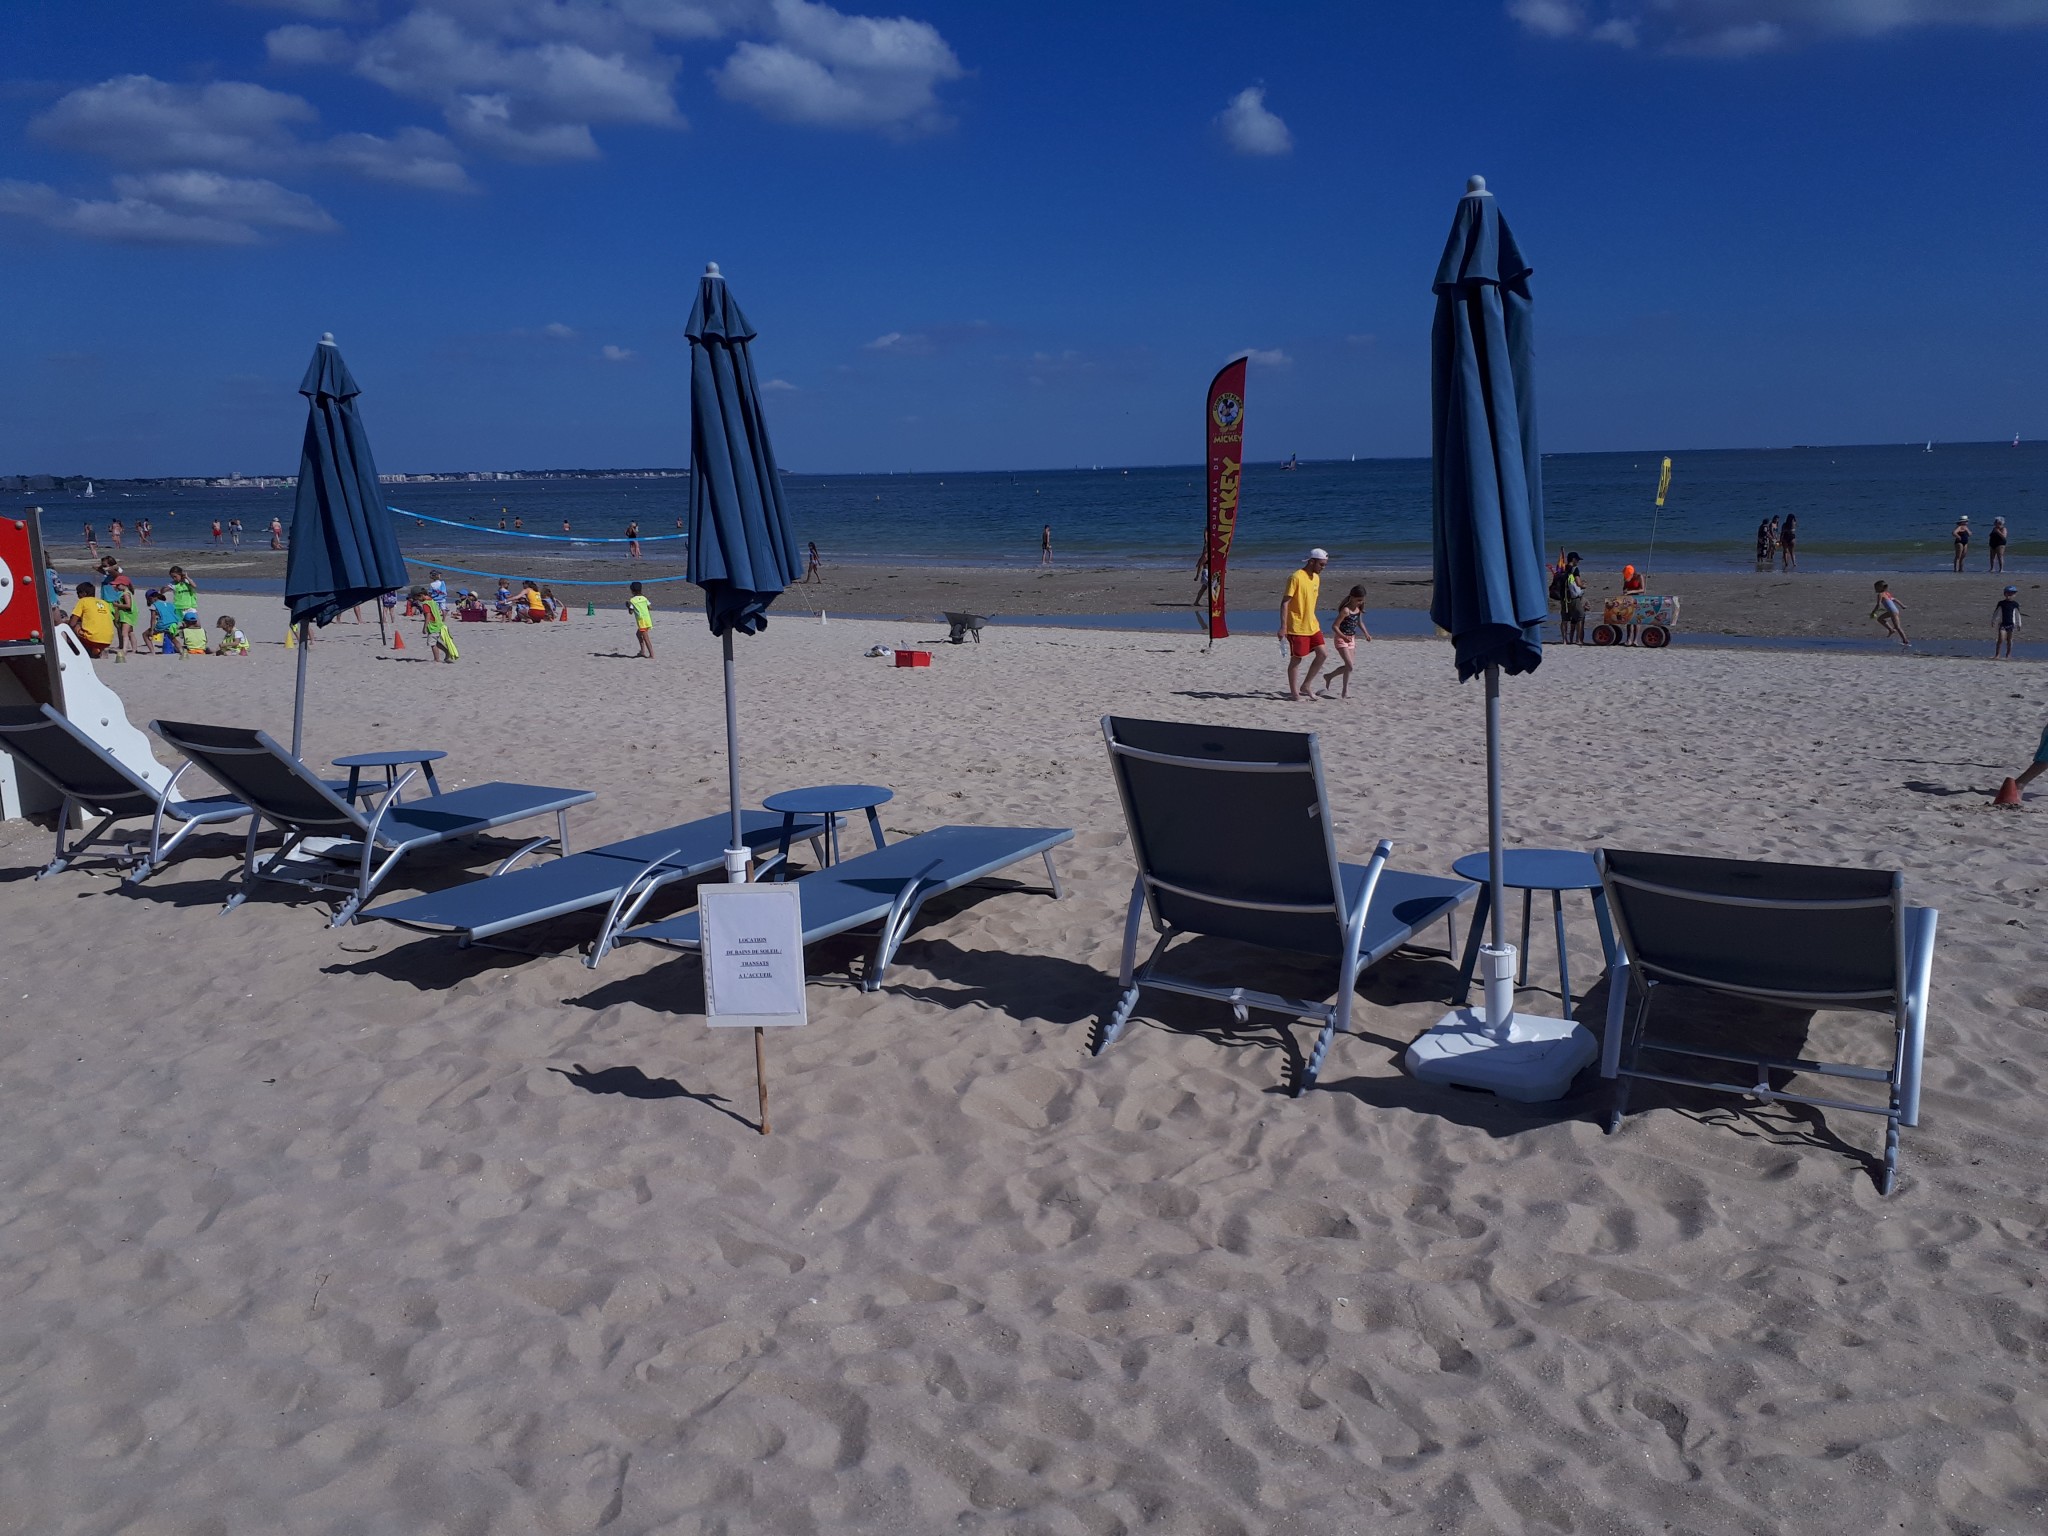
<point>1528,899</point>
<point>1472,942</point>
<point>1564,964</point>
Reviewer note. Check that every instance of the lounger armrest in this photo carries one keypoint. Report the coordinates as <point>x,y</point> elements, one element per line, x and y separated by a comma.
<point>1354,920</point>
<point>391,798</point>
<point>163,805</point>
<point>626,906</point>
<point>1920,925</point>
<point>1619,977</point>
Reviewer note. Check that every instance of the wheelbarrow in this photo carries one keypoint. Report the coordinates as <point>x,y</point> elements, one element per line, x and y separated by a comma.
<point>963,625</point>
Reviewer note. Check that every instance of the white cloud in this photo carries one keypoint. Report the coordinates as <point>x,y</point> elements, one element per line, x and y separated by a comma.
<point>612,354</point>
<point>171,208</point>
<point>301,44</point>
<point>902,345</point>
<point>1250,128</point>
<point>1549,18</point>
<point>1265,357</point>
<point>557,331</point>
<point>486,121</point>
<point>231,125</point>
<point>1734,28</point>
<point>828,69</point>
<point>139,120</point>
<point>778,386</point>
<point>412,157</point>
<point>530,79</point>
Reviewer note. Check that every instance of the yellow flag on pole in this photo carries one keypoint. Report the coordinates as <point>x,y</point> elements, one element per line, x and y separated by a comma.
<point>1664,481</point>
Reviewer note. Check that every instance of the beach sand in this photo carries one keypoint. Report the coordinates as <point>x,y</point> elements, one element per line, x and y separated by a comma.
<point>1939,605</point>
<point>315,1231</point>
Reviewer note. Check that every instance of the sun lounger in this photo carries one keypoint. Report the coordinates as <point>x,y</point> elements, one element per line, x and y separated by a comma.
<point>92,779</point>
<point>367,845</point>
<point>622,875</point>
<point>1799,935</point>
<point>1231,831</point>
<point>890,886</point>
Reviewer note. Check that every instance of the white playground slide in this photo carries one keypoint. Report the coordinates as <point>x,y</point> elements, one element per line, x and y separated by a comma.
<point>93,706</point>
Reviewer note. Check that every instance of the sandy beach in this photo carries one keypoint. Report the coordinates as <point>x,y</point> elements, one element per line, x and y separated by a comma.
<point>316,1231</point>
<point>1939,605</point>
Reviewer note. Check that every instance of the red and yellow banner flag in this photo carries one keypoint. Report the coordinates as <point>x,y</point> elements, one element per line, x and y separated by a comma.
<point>1225,420</point>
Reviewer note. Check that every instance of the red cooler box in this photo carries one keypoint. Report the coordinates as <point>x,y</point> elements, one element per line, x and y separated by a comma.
<point>913,658</point>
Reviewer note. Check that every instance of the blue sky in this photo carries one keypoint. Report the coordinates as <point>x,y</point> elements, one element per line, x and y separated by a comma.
<point>988,235</point>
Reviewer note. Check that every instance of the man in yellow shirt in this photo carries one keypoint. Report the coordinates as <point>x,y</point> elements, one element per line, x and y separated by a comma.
<point>93,620</point>
<point>1300,629</point>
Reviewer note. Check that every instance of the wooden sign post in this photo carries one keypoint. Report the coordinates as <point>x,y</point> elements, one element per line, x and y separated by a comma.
<point>753,964</point>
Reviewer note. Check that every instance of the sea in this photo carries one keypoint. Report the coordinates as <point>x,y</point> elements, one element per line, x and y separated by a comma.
<point>1868,508</point>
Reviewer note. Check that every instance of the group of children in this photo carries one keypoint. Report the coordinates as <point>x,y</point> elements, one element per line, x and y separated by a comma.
<point>537,605</point>
<point>2005,617</point>
<point>120,625</point>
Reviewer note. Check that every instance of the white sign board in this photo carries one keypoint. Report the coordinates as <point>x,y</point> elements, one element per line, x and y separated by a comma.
<point>753,955</point>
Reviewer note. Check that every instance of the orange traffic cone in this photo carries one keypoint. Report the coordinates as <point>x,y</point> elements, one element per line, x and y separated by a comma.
<point>562,613</point>
<point>2008,793</point>
<point>397,639</point>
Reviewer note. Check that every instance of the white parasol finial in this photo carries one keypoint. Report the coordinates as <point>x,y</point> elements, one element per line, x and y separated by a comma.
<point>327,338</point>
<point>711,270</point>
<point>1475,186</point>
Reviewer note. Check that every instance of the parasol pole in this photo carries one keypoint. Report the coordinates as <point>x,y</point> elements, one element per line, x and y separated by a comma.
<point>737,853</point>
<point>299,698</point>
<point>1496,859</point>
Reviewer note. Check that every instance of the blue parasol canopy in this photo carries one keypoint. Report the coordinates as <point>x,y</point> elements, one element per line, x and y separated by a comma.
<point>741,550</point>
<point>343,550</point>
<point>1491,592</point>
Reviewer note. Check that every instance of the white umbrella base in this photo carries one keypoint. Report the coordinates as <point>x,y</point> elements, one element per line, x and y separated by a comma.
<point>1534,1065</point>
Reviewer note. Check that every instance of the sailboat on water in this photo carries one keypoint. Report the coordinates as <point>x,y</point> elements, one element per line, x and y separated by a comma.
<point>88,488</point>
<point>1293,461</point>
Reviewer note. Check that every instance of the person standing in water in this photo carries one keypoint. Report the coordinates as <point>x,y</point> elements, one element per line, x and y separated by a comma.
<point>633,540</point>
<point>1997,541</point>
<point>1044,544</point>
<point>1788,542</point>
<point>1961,535</point>
<point>814,570</point>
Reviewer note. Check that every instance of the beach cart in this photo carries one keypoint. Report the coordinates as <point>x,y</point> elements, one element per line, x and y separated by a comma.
<point>1656,614</point>
<point>961,625</point>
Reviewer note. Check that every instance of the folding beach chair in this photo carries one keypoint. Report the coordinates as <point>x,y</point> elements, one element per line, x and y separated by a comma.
<point>889,887</point>
<point>623,875</point>
<point>92,779</point>
<point>367,844</point>
<point>1231,831</point>
<point>1801,935</point>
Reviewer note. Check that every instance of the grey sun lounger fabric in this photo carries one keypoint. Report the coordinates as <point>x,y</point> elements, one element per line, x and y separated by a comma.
<point>1231,830</point>
<point>282,791</point>
<point>890,885</point>
<point>621,875</point>
<point>92,779</point>
<point>1800,935</point>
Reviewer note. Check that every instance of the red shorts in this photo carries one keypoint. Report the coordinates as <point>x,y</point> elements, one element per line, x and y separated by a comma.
<point>1304,645</point>
<point>94,648</point>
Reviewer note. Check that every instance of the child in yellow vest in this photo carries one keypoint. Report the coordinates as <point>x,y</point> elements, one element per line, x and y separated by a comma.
<point>232,641</point>
<point>434,626</point>
<point>643,620</point>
